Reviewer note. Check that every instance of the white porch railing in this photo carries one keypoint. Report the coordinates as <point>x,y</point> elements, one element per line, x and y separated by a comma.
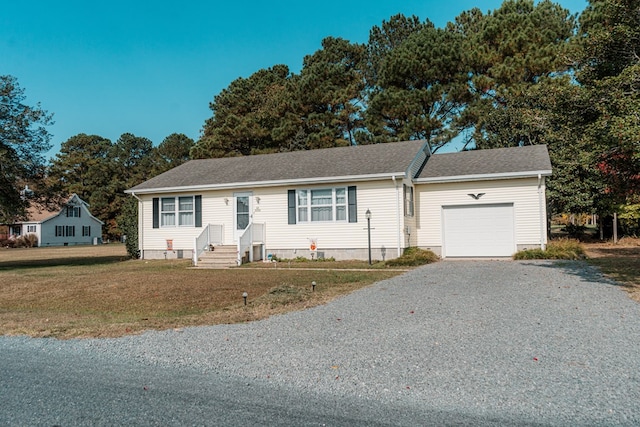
<point>213,234</point>
<point>254,233</point>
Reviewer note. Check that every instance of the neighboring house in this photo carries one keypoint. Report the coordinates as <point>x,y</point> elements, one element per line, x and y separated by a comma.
<point>485,203</point>
<point>73,224</point>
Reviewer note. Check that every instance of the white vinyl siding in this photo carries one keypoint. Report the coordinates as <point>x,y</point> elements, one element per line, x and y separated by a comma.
<point>529,210</point>
<point>381,197</point>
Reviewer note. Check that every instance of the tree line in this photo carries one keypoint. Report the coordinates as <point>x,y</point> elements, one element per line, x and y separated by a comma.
<point>525,73</point>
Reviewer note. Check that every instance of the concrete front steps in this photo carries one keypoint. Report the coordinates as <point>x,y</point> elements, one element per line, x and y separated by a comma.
<point>219,257</point>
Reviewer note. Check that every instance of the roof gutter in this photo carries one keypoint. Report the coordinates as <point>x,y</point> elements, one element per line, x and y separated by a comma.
<point>483,177</point>
<point>398,226</point>
<point>259,184</point>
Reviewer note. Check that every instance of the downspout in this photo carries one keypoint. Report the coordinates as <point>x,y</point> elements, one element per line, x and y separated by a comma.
<point>393,178</point>
<point>140,227</point>
<point>543,219</point>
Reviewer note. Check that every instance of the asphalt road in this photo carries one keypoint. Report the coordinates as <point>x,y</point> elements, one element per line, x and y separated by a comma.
<point>35,392</point>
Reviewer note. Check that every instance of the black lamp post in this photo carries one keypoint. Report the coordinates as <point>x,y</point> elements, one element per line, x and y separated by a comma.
<point>367,214</point>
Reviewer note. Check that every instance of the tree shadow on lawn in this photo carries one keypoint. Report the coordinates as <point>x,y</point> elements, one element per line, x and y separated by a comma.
<point>60,262</point>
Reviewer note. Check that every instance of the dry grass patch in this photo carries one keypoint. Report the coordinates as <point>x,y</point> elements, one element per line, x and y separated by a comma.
<point>620,262</point>
<point>93,292</point>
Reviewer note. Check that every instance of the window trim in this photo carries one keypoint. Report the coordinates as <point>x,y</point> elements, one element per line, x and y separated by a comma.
<point>309,206</point>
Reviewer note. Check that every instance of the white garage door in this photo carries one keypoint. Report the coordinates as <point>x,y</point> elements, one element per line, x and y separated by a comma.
<point>478,231</point>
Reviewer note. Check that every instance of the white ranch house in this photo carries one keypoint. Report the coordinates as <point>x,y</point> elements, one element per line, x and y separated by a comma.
<point>72,224</point>
<point>484,203</point>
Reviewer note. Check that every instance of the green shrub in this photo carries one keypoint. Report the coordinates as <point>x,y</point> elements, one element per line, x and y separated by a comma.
<point>556,249</point>
<point>413,256</point>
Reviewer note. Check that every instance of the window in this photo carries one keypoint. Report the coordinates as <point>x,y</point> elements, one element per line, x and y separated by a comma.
<point>327,204</point>
<point>181,208</point>
<point>86,230</point>
<point>65,231</point>
<point>31,228</point>
<point>177,211</point>
<point>408,200</point>
<point>73,211</point>
<point>185,211</point>
<point>168,212</point>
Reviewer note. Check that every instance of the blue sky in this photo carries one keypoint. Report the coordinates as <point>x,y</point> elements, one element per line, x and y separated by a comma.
<point>152,68</point>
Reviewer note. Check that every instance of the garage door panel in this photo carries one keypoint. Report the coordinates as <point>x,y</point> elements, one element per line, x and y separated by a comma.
<point>479,231</point>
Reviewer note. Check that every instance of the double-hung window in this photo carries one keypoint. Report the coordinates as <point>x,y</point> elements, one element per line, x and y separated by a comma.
<point>168,211</point>
<point>185,210</point>
<point>326,204</point>
<point>176,211</point>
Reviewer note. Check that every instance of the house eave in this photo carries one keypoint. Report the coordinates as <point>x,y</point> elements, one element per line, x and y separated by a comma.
<point>262,184</point>
<point>482,177</point>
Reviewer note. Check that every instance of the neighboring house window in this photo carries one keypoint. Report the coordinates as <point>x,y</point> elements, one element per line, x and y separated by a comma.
<point>31,228</point>
<point>65,231</point>
<point>182,211</point>
<point>73,211</point>
<point>86,230</point>
<point>325,204</point>
<point>408,200</point>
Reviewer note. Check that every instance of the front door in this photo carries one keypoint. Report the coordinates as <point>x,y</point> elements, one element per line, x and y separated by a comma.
<point>242,213</point>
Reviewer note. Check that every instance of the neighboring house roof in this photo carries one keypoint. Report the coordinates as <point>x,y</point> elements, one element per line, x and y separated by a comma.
<point>500,163</point>
<point>323,165</point>
<point>38,214</point>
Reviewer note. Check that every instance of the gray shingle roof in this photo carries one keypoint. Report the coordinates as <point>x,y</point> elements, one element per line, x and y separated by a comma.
<point>475,163</point>
<point>363,160</point>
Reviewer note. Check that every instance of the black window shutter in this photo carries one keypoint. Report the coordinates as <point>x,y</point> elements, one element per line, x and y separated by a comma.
<point>198,211</point>
<point>353,204</point>
<point>156,212</point>
<point>292,206</point>
<point>79,211</point>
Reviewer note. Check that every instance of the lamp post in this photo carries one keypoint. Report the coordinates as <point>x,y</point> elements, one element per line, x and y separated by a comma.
<point>367,214</point>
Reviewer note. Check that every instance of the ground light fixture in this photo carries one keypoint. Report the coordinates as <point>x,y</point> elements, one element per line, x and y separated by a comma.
<point>245,295</point>
<point>313,286</point>
<point>367,215</point>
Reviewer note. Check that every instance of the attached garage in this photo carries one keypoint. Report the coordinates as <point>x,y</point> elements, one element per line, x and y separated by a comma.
<point>483,203</point>
<point>478,230</point>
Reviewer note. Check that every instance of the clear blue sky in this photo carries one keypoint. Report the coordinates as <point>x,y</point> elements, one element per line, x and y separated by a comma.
<point>152,68</point>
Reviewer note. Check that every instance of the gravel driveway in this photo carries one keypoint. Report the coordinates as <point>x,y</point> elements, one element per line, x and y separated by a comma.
<point>539,342</point>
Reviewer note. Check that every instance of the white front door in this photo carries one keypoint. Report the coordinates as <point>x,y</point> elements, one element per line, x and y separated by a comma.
<point>241,213</point>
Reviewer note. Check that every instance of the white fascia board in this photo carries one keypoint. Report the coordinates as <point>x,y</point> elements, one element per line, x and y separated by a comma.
<point>482,177</point>
<point>275,183</point>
